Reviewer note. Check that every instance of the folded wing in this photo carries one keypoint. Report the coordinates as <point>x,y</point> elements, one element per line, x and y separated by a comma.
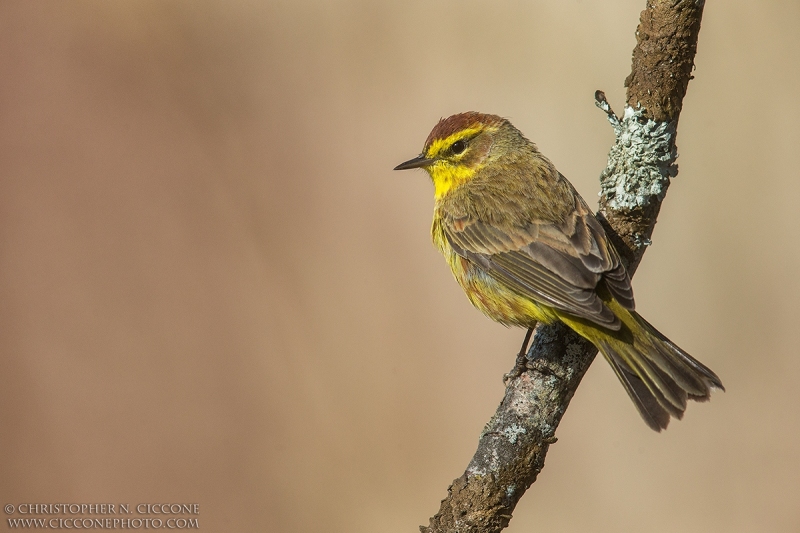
<point>559,265</point>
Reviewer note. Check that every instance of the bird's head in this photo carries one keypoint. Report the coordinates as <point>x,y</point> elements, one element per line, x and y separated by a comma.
<point>461,145</point>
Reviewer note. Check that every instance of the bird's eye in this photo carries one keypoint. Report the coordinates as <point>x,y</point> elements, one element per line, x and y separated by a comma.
<point>458,147</point>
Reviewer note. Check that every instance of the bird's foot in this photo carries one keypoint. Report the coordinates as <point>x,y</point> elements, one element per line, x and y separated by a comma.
<point>520,367</point>
<point>521,364</point>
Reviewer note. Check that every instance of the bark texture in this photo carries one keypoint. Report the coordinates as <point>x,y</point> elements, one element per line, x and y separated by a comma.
<point>663,60</point>
<point>513,445</point>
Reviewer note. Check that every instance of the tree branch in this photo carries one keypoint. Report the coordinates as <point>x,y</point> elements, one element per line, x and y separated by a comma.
<point>513,445</point>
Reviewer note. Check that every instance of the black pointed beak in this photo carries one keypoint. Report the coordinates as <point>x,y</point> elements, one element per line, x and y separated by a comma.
<point>418,162</point>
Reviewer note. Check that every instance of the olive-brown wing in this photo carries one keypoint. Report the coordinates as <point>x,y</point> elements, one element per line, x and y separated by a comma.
<point>556,265</point>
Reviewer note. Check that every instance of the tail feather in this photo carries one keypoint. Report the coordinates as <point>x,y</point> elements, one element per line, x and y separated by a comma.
<point>696,377</point>
<point>654,415</point>
<point>660,383</point>
<point>657,375</point>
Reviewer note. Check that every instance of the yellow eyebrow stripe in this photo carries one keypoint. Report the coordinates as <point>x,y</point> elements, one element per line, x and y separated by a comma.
<point>439,145</point>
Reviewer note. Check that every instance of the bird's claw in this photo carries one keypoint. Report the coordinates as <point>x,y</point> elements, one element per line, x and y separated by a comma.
<point>520,367</point>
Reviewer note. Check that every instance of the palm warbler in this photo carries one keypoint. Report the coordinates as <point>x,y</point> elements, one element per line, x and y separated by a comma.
<point>526,248</point>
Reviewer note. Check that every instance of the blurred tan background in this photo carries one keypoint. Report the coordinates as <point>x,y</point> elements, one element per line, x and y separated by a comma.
<point>214,289</point>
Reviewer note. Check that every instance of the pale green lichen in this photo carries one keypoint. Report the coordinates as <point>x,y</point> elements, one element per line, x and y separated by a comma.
<point>641,162</point>
<point>513,431</point>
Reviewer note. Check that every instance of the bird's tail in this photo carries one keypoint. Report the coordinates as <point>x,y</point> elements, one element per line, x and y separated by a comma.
<point>658,376</point>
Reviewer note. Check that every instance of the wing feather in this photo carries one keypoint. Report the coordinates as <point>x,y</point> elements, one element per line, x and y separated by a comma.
<point>556,264</point>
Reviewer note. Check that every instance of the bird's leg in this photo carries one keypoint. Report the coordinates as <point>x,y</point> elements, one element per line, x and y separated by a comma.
<point>522,359</point>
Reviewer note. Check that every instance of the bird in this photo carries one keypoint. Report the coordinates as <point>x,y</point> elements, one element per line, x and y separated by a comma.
<point>526,249</point>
